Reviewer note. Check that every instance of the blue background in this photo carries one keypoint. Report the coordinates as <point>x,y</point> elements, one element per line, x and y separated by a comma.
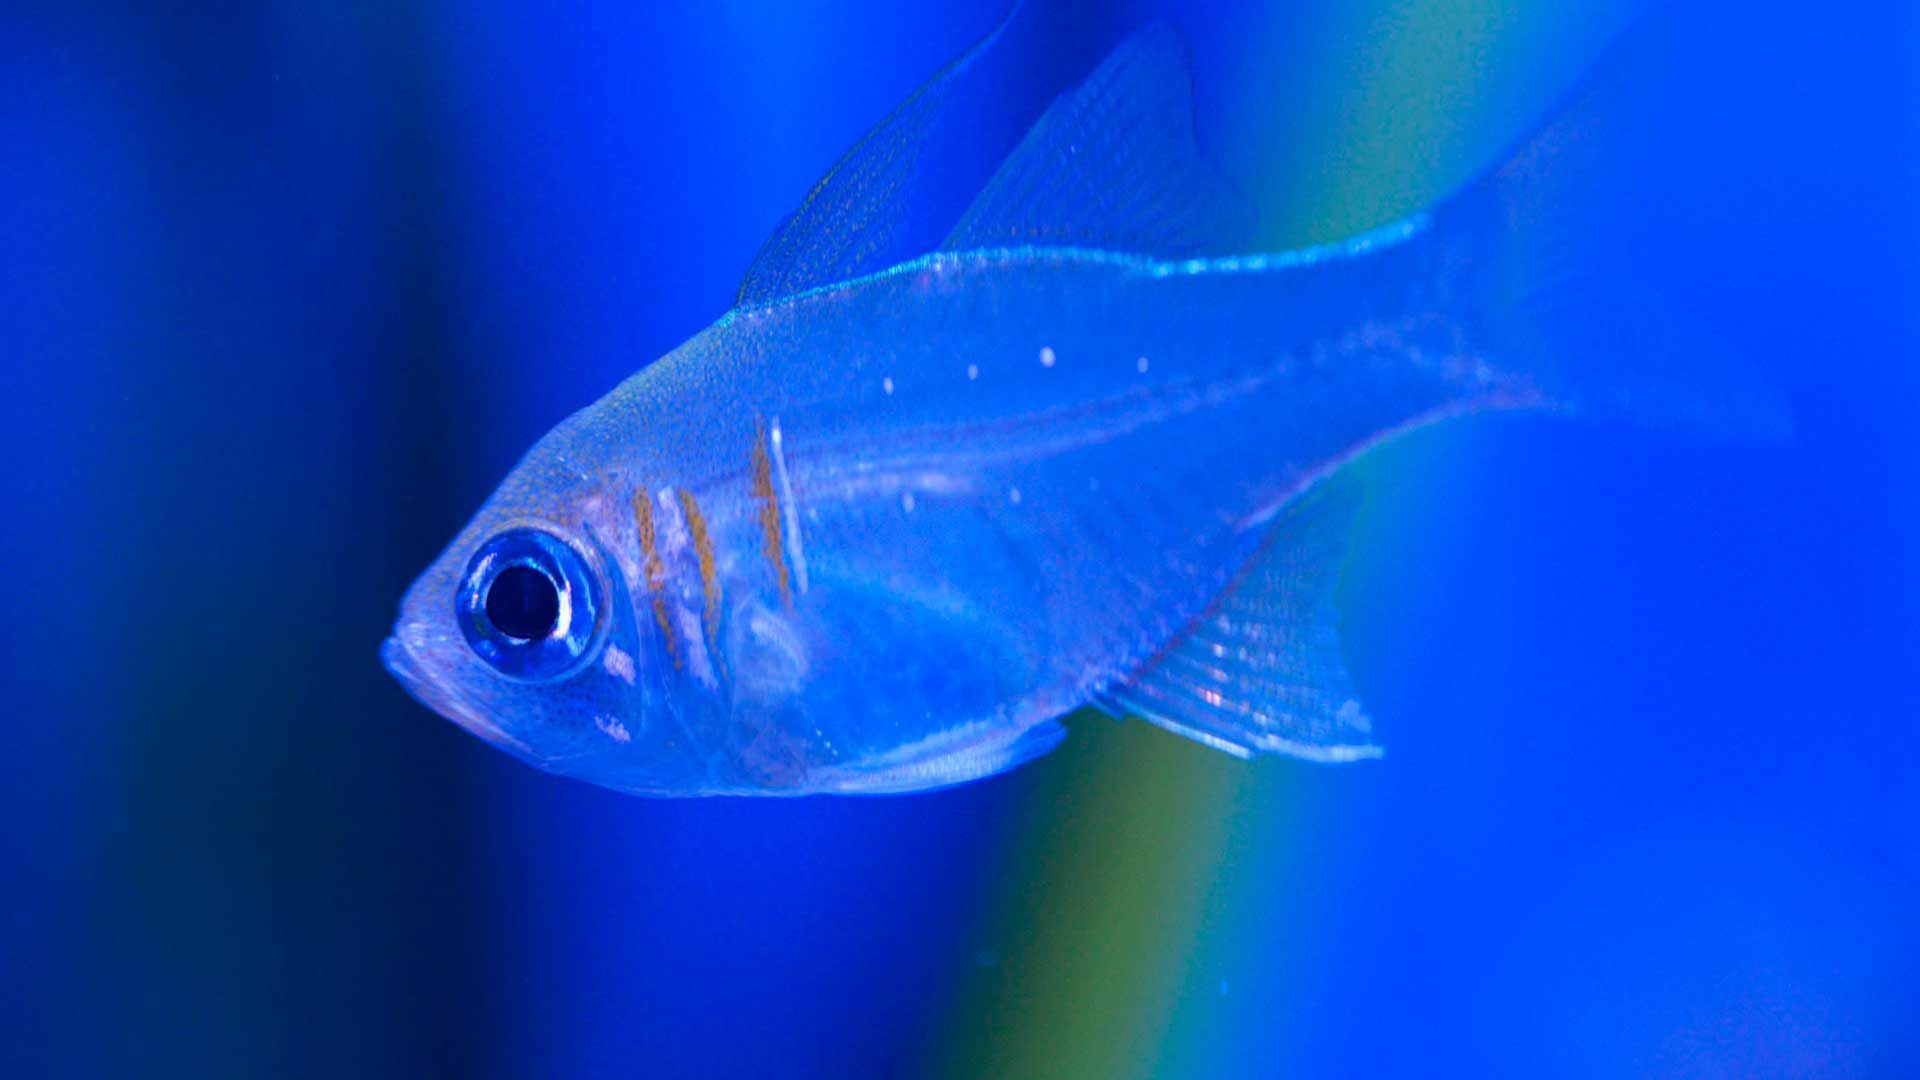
<point>285,288</point>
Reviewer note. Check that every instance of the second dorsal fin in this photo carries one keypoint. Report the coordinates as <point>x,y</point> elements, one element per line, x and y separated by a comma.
<point>1261,670</point>
<point>1113,164</point>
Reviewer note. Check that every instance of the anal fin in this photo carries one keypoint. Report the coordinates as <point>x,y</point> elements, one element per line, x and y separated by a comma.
<point>1260,670</point>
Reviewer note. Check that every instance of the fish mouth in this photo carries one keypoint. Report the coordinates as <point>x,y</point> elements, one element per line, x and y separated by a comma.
<point>398,657</point>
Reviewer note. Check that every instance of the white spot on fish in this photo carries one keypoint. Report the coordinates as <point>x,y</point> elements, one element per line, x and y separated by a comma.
<point>906,501</point>
<point>1140,365</point>
<point>973,372</point>
<point>612,728</point>
<point>1013,496</point>
<point>618,664</point>
<point>694,636</point>
<point>887,384</point>
<point>1046,356</point>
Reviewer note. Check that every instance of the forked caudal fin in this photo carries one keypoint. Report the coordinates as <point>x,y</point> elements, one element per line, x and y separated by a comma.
<point>1561,248</point>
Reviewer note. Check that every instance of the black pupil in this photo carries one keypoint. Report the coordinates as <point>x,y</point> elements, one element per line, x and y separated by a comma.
<point>523,603</point>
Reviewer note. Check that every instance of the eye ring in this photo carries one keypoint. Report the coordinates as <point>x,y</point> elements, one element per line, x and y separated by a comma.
<point>531,605</point>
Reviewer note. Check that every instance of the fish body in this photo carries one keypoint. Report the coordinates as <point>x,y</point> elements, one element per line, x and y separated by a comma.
<point>912,484</point>
<point>879,527</point>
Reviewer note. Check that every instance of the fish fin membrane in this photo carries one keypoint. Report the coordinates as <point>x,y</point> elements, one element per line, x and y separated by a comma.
<point>975,762</point>
<point>1260,670</point>
<point>1114,165</point>
<point>852,221</point>
<point>986,154</point>
<point>905,184</point>
<point>1559,251</point>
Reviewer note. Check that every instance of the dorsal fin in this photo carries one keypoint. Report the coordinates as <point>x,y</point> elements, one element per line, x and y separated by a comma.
<point>900,189</point>
<point>1113,164</point>
<point>1261,669</point>
<point>857,210</point>
<point>985,154</point>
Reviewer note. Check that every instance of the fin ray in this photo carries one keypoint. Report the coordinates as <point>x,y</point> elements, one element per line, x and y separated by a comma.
<point>985,155</point>
<point>1114,164</point>
<point>900,188</point>
<point>1261,670</point>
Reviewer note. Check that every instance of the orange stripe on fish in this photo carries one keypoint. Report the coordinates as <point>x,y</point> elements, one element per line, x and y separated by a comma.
<point>703,550</point>
<point>649,550</point>
<point>771,546</point>
<point>656,573</point>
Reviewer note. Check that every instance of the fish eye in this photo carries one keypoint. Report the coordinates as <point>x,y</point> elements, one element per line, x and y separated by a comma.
<point>529,605</point>
<point>523,603</point>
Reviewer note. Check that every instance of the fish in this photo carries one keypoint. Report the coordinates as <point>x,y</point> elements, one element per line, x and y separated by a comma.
<point>890,518</point>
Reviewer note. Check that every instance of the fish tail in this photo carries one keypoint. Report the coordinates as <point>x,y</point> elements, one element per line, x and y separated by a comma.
<point>1565,262</point>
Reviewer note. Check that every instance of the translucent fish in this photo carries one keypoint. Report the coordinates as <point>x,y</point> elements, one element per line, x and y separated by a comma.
<point>884,523</point>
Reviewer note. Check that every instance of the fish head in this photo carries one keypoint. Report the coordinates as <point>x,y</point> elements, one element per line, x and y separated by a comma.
<point>522,632</point>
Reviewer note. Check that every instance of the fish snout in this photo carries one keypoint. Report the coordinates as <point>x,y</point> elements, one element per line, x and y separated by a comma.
<point>402,658</point>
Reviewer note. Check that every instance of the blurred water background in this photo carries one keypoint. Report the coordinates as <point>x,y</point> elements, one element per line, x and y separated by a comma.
<point>285,288</point>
